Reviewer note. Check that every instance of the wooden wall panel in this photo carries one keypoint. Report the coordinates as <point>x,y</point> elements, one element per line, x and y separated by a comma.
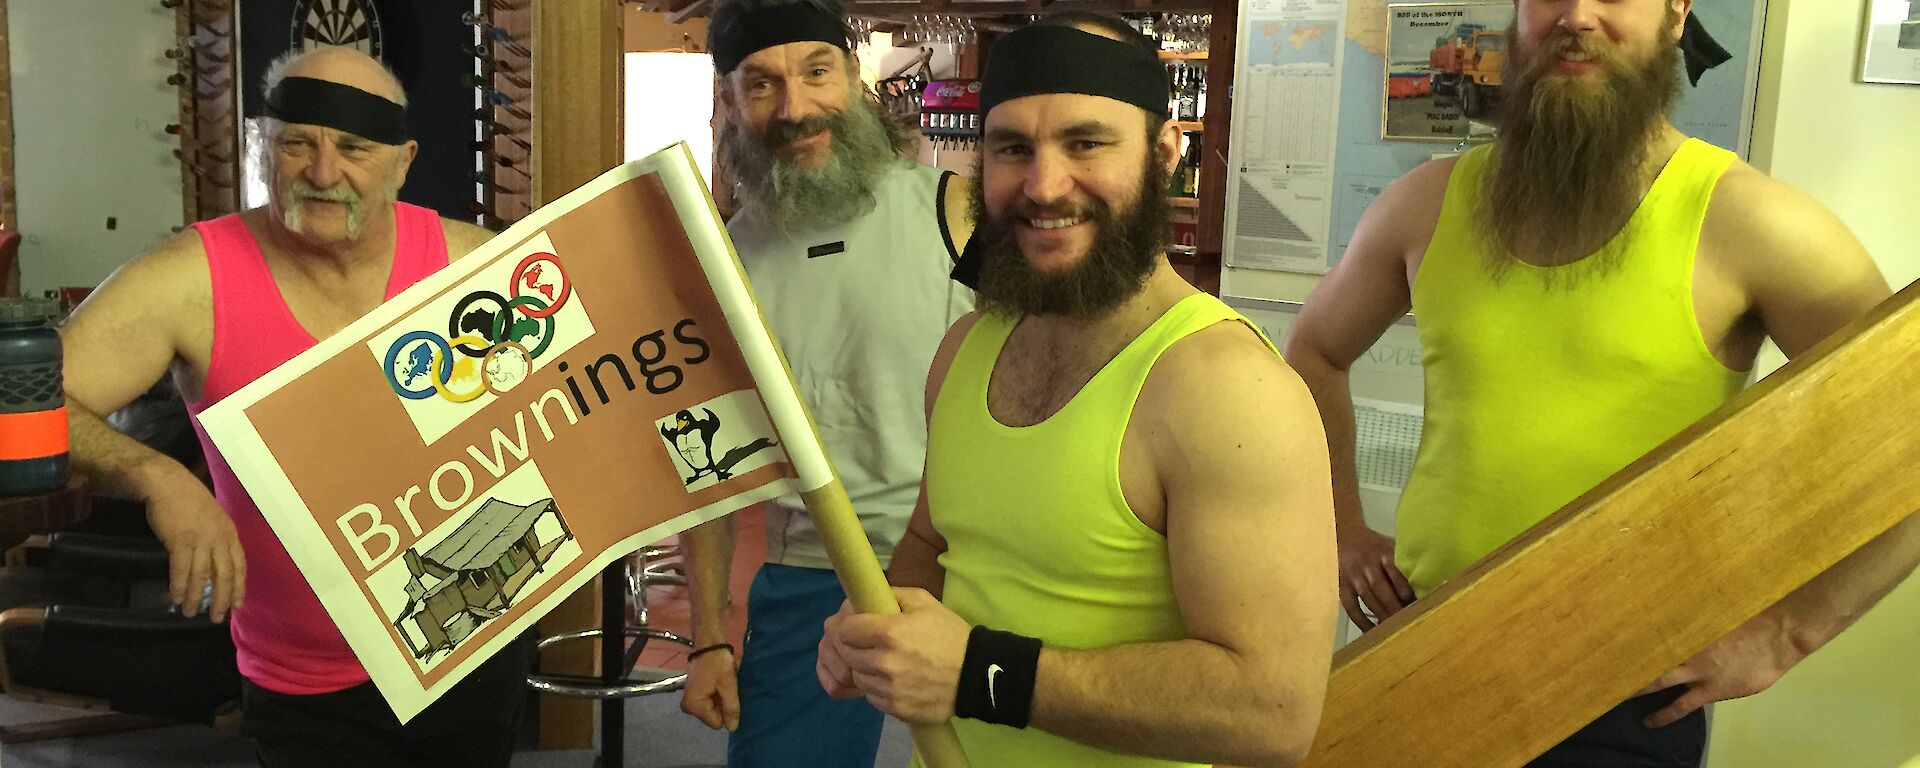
<point>577,127</point>
<point>209,127</point>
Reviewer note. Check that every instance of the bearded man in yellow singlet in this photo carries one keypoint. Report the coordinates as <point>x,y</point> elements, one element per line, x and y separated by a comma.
<point>1586,287</point>
<point>1123,554</point>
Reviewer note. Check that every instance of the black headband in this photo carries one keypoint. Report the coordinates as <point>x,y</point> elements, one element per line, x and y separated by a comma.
<point>342,107</point>
<point>1051,59</point>
<point>1700,50</point>
<point>763,28</point>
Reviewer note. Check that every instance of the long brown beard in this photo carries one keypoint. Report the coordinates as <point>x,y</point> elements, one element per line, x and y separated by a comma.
<point>1569,168</point>
<point>1126,246</point>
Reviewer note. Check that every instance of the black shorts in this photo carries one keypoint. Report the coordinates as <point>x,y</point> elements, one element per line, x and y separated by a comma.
<point>1620,739</point>
<point>475,724</point>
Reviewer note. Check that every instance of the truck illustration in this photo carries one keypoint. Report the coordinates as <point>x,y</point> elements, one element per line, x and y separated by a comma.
<point>1466,68</point>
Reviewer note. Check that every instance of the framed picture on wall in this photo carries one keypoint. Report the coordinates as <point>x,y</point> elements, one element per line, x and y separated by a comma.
<point>1890,50</point>
<point>1443,70</point>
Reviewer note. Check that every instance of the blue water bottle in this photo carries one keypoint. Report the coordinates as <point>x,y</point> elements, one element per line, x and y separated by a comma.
<point>33,406</point>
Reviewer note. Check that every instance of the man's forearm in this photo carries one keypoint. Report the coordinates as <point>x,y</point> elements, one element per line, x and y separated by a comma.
<point>1834,600</point>
<point>707,550</point>
<point>1334,399</point>
<point>916,563</point>
<point>1187,700</point>
<point>117,465</point>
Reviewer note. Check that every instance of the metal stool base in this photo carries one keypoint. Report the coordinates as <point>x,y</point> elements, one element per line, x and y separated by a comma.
<point>597,688</point>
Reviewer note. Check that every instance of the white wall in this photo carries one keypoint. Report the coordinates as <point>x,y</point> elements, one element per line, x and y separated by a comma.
<point>1851,145</point>
<point>684,80</point>
<point>90,100</point>
<point>1856,148</point>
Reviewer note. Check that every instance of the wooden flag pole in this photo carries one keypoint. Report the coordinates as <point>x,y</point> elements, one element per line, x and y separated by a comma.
<point>867,588</point>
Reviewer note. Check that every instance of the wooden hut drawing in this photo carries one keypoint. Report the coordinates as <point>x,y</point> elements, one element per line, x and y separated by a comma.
<point>475,573</point>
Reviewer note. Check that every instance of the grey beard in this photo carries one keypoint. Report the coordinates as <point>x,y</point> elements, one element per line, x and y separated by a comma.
<point>793,198</point>
<point>298,191</point>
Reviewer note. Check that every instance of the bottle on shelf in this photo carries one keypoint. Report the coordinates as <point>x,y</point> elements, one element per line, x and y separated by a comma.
<point>1191,162</point>
<point>1188,95</point>
<point>1173,91</point>
<point>1200,92</point>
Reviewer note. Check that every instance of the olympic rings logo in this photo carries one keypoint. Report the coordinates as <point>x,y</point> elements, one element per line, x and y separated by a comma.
<point>492,339</point>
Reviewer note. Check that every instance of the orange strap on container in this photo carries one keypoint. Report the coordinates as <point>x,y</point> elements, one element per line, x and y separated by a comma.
<point>35,435</point>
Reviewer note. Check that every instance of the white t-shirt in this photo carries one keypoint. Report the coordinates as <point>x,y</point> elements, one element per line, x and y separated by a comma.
<point>859,310</point>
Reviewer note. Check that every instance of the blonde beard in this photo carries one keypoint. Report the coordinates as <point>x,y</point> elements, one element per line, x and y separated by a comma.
<point>1570,166</point>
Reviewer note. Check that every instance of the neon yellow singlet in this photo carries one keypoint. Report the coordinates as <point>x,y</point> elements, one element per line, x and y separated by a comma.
<point>1537,390</point>
<point>1040,540</point>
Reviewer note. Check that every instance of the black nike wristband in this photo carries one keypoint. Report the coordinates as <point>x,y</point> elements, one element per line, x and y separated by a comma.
<point>996,678</point>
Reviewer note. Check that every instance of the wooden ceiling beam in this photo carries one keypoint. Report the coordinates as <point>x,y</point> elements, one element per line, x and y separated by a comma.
<point>683,10</point>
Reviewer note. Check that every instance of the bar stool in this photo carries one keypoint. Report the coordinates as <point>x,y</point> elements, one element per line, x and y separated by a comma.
<point>658,566</point>
<point>622,581</point>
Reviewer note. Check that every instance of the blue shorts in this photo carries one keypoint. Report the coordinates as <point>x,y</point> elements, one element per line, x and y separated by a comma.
<point>786,720</point>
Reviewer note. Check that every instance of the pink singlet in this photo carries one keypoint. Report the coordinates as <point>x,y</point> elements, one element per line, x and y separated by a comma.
<point>286,641</point>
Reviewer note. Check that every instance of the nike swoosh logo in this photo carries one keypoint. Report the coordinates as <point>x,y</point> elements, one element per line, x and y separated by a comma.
<point>992,670</point>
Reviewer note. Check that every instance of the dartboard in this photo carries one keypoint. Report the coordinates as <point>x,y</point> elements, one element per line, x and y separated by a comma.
<point>348,23</point>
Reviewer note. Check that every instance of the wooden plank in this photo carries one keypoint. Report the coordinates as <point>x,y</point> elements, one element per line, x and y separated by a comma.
<point>577,48</point>
<point>188,133</point>
<point>210,146</point>
<point>970,62</point>
<point>1639,574</point>
<point>507,194</point>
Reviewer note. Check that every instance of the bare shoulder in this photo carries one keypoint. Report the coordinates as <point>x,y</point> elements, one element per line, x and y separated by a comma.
<point>943,356</point>
<point>1222,413</point>
<point>958,331</point>
<point>1420,190</point>
<point>1401,221</point>
<point>1226,373</point>
<point>1428,177</point>
<point>463,238</point>
<point>1769,230</point>
<point>1747,202</point>
<point>156,308</point>
<point>160,279</point>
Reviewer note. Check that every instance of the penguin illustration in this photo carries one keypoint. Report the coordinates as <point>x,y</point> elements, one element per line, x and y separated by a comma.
<point>692,439</point>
